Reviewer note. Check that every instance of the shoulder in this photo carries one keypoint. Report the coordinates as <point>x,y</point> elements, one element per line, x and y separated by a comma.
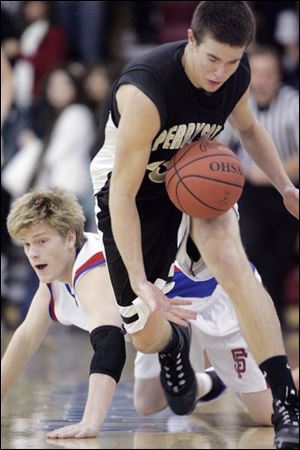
<point>44,290</point>
<point>42,297</point>
<point>134,97</point>
<point>91,255</point>
<point>154,70</point>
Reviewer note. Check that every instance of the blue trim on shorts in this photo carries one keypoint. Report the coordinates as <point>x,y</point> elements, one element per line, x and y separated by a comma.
<point>185,287</point>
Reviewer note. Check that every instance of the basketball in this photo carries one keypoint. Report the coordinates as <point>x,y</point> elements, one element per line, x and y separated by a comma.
<point>204,179</point>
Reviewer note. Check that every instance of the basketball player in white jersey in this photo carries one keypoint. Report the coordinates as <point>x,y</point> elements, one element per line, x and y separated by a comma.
<point>72,272</point>
<point>74,289</point>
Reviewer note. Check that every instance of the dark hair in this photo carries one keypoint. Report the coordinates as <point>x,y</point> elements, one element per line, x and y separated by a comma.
<point>227,22</point>
<point>47,113</point>
<point>76,78</point>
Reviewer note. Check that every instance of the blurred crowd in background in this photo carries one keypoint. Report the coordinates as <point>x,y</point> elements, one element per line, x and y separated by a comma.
<point>58,60</point>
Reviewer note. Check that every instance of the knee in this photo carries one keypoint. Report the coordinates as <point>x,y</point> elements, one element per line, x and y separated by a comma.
<point>261,418</point>
<point>229,261</point>
<point>153,337</point>
<point>144,346</point>
<point>231,268</point>
<point>148,396</point>
<point>144,408</point>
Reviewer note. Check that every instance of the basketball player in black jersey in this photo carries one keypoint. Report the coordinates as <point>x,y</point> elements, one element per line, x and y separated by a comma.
<point>178,93</point>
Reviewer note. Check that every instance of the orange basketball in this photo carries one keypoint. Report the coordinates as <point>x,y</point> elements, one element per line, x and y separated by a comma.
<point>204,179</point>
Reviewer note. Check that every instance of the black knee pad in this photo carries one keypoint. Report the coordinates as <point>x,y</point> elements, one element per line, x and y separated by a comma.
<point>109,351</point>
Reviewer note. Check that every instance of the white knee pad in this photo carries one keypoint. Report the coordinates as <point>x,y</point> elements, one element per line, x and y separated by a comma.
<point>136,315</point>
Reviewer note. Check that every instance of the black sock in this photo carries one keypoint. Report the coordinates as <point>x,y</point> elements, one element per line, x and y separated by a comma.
<point>174,340</point>
<point>277,373</point>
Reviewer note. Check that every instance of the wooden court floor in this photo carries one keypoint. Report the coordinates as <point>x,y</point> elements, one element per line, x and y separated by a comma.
<point>52,391</point>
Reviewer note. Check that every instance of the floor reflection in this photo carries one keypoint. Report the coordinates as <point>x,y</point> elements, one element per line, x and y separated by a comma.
<point>52,393</point>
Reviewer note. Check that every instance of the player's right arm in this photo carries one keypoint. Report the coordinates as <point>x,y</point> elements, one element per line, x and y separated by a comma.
<point>26,339</point>
<point>139,124</point>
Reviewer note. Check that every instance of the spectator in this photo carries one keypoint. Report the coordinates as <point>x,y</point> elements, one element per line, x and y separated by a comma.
<point>97,81</point>
<point>62,159</point>
<point>41,47</point>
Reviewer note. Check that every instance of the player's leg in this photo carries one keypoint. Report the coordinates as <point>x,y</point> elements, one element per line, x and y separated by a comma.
<point>259,404</point>
<point>151,332</point>
<point>220,245</point>
<point>149,396</point>
<point>219,242</point>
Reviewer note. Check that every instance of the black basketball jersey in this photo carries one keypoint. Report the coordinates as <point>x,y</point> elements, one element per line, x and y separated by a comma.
<point>186,112</point>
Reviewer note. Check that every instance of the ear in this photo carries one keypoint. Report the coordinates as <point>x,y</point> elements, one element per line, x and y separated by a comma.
<point>191,38</point>
<point>71,239</point>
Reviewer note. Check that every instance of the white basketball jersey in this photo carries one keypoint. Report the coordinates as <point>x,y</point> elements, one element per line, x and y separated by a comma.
<point>64,306</point>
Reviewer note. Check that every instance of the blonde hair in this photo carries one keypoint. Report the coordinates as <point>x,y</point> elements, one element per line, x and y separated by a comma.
<point>54,207</point>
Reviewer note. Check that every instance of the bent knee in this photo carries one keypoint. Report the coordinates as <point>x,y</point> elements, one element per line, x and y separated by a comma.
<point>261,419</point>
<point>144,346</point>
<point>145,409</point>
<point>148,396</point>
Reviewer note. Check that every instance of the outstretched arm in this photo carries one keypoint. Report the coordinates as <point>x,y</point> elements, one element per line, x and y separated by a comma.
<point>26,339</point>
<point>96,295</point>
<point>100,395</point>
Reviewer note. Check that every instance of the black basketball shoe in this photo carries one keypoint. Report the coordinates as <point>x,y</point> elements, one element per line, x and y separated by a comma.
<point>286,422</point>
<point>177,376</point>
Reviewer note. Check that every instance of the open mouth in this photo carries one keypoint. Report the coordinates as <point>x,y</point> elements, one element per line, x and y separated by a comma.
<point>41,267</point>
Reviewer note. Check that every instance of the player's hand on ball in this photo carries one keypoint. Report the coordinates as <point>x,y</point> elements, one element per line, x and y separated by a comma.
<point>79,431</point>
<point>169,308</point>
<point>291,201</point>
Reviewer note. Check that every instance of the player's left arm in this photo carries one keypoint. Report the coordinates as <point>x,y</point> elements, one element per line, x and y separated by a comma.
<point>261,148</point>
<point>95,294</point>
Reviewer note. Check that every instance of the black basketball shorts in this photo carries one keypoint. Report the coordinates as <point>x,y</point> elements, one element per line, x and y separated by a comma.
<point>160,221</point>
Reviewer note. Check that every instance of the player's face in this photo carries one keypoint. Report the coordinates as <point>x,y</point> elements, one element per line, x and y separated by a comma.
<point>214,62</point>
<point>50,255</point>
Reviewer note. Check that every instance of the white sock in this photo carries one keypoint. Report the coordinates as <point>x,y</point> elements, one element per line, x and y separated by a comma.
<point>204,383</point>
